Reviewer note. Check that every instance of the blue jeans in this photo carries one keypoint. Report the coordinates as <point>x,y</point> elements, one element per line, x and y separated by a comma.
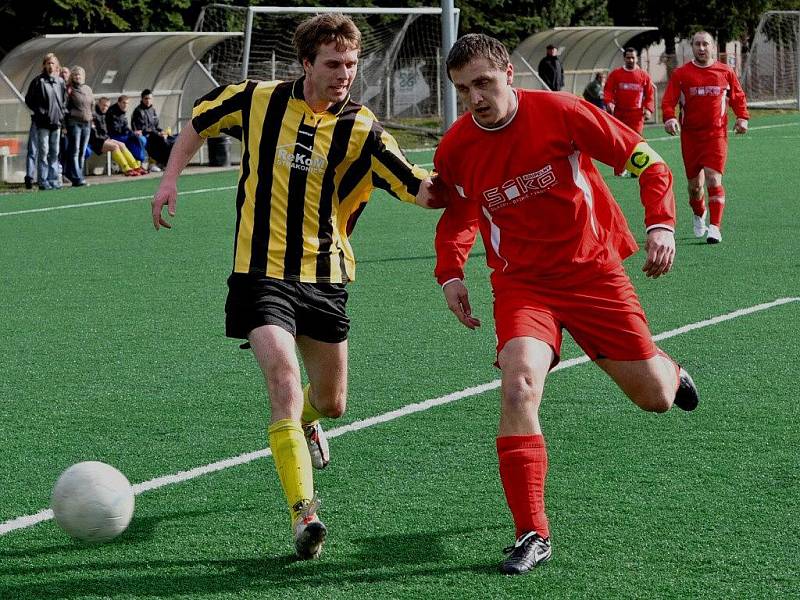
<point>33,153</point>
<point>77,139</point>
<point>49,173</point>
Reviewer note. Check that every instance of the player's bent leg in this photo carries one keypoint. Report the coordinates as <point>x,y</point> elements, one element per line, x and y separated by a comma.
<point>521,451</point>
<point>651,384</point>
<point>326,393</point>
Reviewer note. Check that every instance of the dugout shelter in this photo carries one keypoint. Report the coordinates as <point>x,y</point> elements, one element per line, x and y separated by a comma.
<point>582,51</point>
<point>116,63</point>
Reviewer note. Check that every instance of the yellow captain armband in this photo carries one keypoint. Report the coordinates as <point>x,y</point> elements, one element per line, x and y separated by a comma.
<point>642,158</point>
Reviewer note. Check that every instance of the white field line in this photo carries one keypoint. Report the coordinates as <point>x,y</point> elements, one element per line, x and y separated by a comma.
<point>158,482</point>
<point>233,187</point>
<point>114,201</point>
<point>755,128</point>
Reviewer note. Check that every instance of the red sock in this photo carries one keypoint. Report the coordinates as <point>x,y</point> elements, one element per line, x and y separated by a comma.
<point>523,468</point>
<point>698,205</point>
<point>716,204</point>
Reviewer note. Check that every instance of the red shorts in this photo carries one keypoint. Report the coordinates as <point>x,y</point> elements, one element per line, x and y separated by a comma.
<point>602,315</point>
<point>632,118</point>
<point>703,152</point>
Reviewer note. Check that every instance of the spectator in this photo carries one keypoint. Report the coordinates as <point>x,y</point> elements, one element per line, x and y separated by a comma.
<point>79,125</point>
<point>145,119</point>
<point>593,92</point>
<point>47,98</point>
<point>100,142</point>
<point>550,69</point>
<point>118,128</point>
<point>629,94</point>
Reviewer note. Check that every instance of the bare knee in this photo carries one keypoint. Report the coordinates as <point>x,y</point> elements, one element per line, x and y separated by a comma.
<point>695,189</point>
<point>331,400</point>
<point>657,398</point>
<point>522,393</point>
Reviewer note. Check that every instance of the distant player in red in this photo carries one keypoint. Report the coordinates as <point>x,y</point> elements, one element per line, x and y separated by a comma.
<point>703,88</point>
<point>518,168</point>
<point>628,94</point>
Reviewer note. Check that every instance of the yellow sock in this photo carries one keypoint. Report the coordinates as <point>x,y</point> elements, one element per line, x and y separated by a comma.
<point>135,164</point>
<point>119,157</point>
<point>293,463</point>
<point>310,414</point>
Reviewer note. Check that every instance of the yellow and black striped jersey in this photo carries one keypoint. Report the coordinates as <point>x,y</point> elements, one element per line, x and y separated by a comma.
<point>304,177</point>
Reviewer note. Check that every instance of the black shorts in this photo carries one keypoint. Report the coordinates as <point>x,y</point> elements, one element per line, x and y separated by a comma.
<point>316,310</point>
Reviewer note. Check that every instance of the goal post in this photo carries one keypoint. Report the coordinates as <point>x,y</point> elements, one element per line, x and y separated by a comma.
<point>772,70</point>
<point>401,67</point>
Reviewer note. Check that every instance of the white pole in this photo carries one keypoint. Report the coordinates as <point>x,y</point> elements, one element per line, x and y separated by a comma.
<point>248,32</point>
<point>438,81</point>
<point>273,65</point>
<point>448,39</point>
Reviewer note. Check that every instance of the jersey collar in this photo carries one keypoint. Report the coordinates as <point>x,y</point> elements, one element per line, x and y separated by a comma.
<point>334,109</point>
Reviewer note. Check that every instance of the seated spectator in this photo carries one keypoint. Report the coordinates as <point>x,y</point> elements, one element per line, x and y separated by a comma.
<point>79,124</point>
<point>118,128</point>
<point>593,92</point>
<point>145,119</point>
<point>100,142</point>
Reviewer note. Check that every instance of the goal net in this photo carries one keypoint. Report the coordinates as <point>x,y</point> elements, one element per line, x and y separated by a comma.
<point>771,72</point>
<point>400,65</point>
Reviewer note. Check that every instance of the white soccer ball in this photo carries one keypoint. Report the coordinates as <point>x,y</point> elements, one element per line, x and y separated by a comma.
<point>92,501</point>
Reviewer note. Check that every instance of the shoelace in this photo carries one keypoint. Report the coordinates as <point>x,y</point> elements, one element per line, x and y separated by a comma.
<point>310,508</point>
<point>527,541</point>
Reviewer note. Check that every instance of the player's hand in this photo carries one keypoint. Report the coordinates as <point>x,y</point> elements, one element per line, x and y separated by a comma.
<point>671,127</point>
<point>610,108</point>
<point>457,297</point>
<point>167,193</point>
<point>741,126</point>
<point>432,193</point>
<point>647,114</point>
<point>660,248</point>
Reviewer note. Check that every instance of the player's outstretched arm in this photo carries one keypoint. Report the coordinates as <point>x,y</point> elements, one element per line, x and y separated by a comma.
<point>457,297</point>
<point>187,145</point>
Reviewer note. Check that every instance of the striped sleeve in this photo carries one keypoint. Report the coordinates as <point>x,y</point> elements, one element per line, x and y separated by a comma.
<point>220,111</point>
<point>390,169</point>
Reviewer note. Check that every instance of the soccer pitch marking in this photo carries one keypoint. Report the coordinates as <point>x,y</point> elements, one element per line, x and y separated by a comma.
<point>158,482</point>
<point>129,199</point>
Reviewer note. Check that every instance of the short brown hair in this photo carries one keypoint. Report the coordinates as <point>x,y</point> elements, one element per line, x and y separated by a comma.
<point>477,45</point>
<point>324,29</point>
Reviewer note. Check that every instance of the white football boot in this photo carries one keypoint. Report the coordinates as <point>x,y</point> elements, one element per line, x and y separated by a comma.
<point>699,224</point>
<point>714,235</point>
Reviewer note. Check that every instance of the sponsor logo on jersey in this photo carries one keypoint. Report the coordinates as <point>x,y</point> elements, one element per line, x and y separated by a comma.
<point>706,90</point>
<point>636,87</point>
<point>520,188</point>
<point>302,158</point>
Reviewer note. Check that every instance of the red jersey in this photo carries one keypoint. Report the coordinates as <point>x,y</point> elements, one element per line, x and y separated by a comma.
<point>543,210</point>
<point>703,94</point>
<point>629,91</point>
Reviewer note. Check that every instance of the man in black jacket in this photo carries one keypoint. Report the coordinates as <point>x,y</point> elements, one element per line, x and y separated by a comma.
<point>145,119</point>
<point>118,128</point>
<point>47,98</point>
<point>550,69</point>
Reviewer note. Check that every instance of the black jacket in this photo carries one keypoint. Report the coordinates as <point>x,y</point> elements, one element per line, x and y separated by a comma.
<point>99,121</point>
<point>145,119</point>
<point>551,72</point>
<point>47,98</point>
<point>117,121</point>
